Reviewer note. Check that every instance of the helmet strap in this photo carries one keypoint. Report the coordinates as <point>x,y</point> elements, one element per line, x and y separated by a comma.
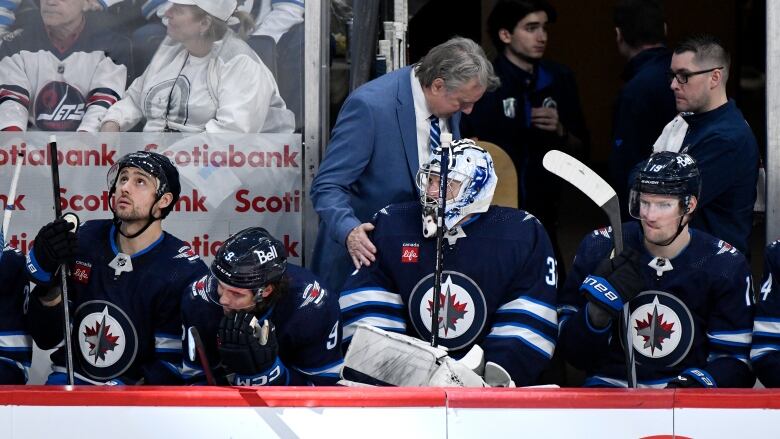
<point>149,220</point>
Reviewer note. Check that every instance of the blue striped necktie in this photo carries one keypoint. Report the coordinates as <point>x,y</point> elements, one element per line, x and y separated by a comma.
<point>435,132</point>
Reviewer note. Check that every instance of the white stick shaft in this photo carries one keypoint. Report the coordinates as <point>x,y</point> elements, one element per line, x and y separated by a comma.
<point>9,204</point>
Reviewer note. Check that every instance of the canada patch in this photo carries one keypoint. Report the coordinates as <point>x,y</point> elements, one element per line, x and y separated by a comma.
<point>410,253</point>
<point>81,272</point>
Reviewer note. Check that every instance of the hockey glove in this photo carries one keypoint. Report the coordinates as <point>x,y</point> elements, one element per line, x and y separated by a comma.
<point>55,244</point>
<point>692,378</point>
<point>614,282</point>
<point>240,344</point>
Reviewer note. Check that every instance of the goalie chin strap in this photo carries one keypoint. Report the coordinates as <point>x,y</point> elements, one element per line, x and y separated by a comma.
<point>442,204</point>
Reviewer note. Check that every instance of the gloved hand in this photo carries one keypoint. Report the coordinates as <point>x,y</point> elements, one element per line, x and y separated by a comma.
<point>614,282</point>
<point>55,244</point>
<point>240,349</point>
<point>692,378</point>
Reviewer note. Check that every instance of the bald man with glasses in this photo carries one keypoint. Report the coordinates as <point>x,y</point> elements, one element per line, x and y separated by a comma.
<point>718,138</point>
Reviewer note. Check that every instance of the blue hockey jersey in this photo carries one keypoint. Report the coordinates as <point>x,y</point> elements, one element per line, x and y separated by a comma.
<point>126,325</point>
<point>498,287</point>
<point>308,332</point>
<point>765,352</point>
<point>15,341</point>
<point>698,314</point>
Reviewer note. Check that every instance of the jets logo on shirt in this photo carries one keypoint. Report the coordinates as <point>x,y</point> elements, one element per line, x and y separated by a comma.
<point>314,294</point>
<point>661,328</point>
<point>186,252</point>
<point>725,247</point>
<point>604,231</point>
<point>106,340</point>
<point>462,309</point>
<point>59,107</point>
<point>410,252</point>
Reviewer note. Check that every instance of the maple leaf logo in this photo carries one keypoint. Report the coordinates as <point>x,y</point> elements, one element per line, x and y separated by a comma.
<point>654,330</point>
<point>100,340</point>
<point>450,310</point>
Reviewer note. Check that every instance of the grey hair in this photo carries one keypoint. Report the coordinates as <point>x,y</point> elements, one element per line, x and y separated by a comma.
<point>456,61</point>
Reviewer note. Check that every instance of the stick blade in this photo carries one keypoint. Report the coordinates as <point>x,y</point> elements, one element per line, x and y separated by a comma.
<point>582,177</point>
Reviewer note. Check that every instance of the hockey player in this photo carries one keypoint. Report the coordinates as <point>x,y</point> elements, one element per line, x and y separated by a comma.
<point>689,293</point>
<point>62,72</point>
<point>765,351</point>
<point>499,278</point>
<point>126,283</point>
<point>15,341</point>
<point>262,320</point>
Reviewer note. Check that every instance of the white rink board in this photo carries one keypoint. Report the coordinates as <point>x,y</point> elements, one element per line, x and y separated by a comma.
<point>220,422</point>
<point>727,423</point>
<point>558,423</point>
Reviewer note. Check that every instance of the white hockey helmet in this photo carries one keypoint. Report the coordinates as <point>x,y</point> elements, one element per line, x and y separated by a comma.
<point>471,167</point>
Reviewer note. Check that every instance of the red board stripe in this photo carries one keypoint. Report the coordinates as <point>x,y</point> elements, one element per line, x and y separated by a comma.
<point>388,397</point>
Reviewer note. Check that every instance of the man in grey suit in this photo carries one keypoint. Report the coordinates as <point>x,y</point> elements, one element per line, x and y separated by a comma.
<point>383,133</point>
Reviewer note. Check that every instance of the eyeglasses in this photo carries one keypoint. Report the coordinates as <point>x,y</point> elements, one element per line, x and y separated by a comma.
<point>682,77</point>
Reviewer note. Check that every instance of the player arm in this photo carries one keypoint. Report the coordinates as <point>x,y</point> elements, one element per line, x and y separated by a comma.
<point>164,367</point>
<point>14,94</point>
<point>318,360</point>
<point>525,327</point>
<point>765,349</point>
<point>729,331</point>
<point>369,298</point>
<point>106,88</point>
<point>243,108</point>
<point>347,156</point>
<point>582,343</point>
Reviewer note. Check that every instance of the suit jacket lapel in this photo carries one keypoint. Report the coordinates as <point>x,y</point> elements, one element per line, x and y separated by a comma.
<point>407,122</point>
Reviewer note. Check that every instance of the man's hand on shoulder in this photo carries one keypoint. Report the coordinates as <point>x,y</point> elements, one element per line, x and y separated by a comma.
<point>360,247</point>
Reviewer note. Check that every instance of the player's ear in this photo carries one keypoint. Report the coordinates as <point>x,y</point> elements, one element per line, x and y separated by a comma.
<point>165,200</point>
<point>692,203</point>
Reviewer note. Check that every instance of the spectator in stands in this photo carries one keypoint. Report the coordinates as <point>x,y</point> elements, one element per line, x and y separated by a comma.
<point>645,104</point>
<point>384,131</point>
<point>61,71</point>
<point>203,78</point>
<point>537,107</point>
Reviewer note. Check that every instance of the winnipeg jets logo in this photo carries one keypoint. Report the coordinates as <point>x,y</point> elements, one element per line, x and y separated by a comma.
<point>725,247</point>
<point>604,231</point>
<point>655,330</point>
<point>59,107</point>
<point>661,327</point>
<point>106,339</point>
<point>462,309</point>
<point>313,293</point>
<point>186,252</point>
<point>100,334</point>
<point>450,310</point>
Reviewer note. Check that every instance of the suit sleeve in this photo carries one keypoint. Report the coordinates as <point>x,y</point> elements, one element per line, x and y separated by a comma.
<point>765,351</point>
<point>714,155</point>
<point>347,156</point>
<point>525,327</point>
<point>127,111</point>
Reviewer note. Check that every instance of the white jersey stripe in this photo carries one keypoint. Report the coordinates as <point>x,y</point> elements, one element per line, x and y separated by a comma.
<point>15,341</point>
<point>542,310</point>
<point>542,344</point>
<point>369,295</point>
<point>732,337</point>
<point>767,326</point>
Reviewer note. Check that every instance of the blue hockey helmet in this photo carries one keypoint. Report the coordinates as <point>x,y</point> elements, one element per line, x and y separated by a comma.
<point>154,164</point>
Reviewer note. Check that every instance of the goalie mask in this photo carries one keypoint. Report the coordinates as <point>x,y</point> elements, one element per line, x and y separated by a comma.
<point>250,259</point>
<point>156,165</point>
<point>667,173</point>
<point>471,181</point>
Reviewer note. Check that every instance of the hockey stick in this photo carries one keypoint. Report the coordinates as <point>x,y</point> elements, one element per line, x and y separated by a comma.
<point>55,178</point>
<point>446,139</point>
<point>589,183</point>
<point>195,348</point>
<point>9,204</point>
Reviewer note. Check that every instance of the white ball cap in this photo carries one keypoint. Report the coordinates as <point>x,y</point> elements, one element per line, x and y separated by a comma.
<point>220,9</point>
